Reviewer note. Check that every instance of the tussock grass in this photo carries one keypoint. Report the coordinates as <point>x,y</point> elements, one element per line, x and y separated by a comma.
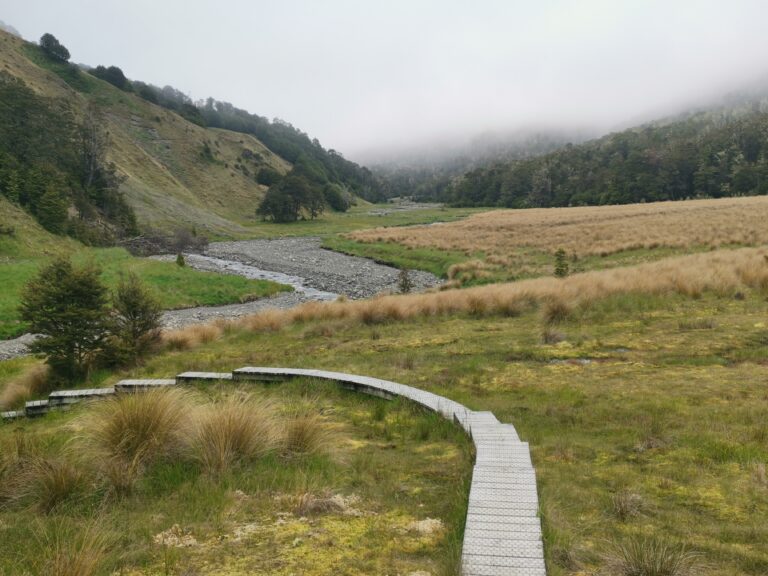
<point>724,272</point>
<point>594,230</point>
<point>626,505</point>
<point>47,483</point>
<point>233,431</point>
<point>191,336</point>
<point>128,431</point>
<point>639,556</point>
<point>32,382</point>
<point>67,550</point>
<point>307,433</point>
<point>218,510</point>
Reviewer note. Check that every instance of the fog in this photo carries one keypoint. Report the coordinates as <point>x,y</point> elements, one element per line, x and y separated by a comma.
<point>369,78</point>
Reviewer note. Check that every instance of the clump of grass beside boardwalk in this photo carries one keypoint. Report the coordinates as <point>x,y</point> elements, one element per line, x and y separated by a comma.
<point>319,469</point>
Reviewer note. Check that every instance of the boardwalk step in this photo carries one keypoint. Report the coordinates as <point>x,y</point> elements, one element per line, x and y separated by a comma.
<point>64,397</point>
<point>36,408</point>
<point>202,376</point>
<point>133,385</point>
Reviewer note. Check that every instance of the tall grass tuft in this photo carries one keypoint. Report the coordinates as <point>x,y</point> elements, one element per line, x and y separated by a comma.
<point>69,551</point>
<point>48,483</point>
<point>33,382</point>
<point>306,433</point>
<point>128,431</point>
<point>190,336</point>
<point>639,556</point>
<point>626,505</point>
<point>232,431</point>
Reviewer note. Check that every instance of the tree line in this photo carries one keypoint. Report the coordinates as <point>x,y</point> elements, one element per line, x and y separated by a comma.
<point>709,154</point>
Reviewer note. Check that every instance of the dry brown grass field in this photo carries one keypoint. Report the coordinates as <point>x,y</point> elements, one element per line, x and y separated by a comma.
<point>594,230</point>
<point>727,273</point>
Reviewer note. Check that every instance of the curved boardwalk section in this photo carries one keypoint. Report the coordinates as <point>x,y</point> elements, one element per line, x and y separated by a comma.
<point>502,536</point>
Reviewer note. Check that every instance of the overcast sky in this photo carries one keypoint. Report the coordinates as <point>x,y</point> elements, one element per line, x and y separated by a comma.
<point>362,75</point>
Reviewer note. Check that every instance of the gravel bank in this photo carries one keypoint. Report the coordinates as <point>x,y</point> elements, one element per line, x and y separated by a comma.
<point>320,269</point>
<point>16,347</point>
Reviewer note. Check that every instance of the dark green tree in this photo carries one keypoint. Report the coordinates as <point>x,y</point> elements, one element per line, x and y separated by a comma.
<point>561,264</point>
<point>67,305</point>
<point>289,199</point>
<point>135,323</point>
<point>268,176</point>
<point>51,211</point>
<point>54,49</point>
<point>113,75</point>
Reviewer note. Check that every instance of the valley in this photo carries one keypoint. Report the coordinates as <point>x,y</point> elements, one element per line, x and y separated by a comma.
<point>529,341</point>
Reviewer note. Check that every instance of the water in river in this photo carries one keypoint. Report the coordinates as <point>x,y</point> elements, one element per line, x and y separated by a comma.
<point>253,273</point>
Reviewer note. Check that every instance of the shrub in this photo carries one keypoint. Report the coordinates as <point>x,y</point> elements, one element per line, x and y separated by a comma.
<point>135,324</point>
<point>561,264</point>
<point>67,306</point>
<point>404,282</point>
<point>180,262</point>
<point>233,431</point>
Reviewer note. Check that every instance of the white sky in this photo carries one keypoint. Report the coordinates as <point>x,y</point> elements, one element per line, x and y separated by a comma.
<point>361,75</point>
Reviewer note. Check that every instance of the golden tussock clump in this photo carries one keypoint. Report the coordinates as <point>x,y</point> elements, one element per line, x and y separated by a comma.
<point>191,336</point>
<point>235,430</point>
<point>593,230</point>
<point>34,381</point>
<point>125,432</point>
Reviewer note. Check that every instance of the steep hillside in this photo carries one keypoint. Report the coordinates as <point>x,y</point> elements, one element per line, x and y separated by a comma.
<point>22,237</point>
<point>175,172</point>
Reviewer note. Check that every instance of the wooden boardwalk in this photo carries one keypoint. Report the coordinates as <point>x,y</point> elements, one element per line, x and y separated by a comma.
<point>502,535</point>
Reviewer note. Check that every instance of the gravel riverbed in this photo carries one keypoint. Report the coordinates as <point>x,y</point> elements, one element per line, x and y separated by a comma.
<point>320,269</point>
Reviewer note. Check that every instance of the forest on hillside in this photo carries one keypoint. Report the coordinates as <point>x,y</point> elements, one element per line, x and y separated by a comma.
<point>708,154</point>
<point>53,165</point>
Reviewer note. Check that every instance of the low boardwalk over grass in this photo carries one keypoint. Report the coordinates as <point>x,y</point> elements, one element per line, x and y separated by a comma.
<point>502,535</point>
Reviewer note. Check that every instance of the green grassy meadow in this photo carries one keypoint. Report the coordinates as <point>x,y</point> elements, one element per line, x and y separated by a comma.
<point>362,216</point>
<point>646,415</point>
<point>174,286</point>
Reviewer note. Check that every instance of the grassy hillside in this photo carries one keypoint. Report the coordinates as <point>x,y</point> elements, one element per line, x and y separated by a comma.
<point>176,172</point>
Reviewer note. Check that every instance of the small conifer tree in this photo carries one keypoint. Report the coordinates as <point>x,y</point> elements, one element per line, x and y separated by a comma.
<point>404,282</point>
<point>561,264</point>
<point>67,306</point>
<point>135,324</point>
